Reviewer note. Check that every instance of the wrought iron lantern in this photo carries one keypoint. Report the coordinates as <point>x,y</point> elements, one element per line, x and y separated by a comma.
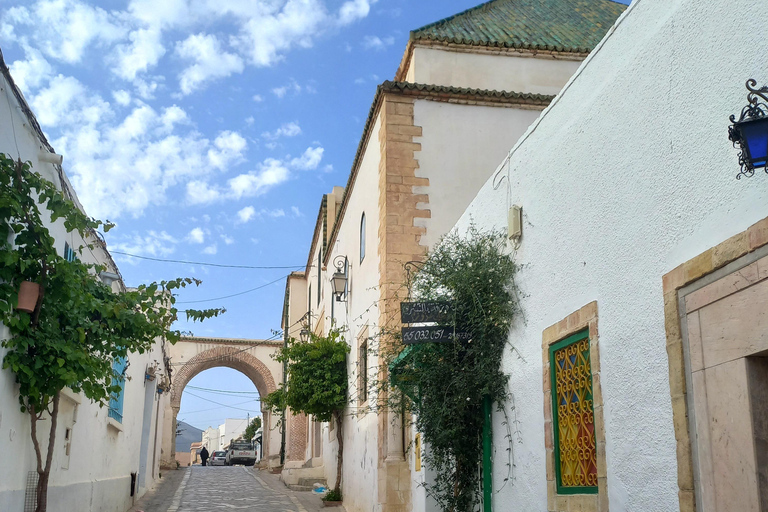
<point>339,279</point>
<point>750,132</point>
<point>304,334</point>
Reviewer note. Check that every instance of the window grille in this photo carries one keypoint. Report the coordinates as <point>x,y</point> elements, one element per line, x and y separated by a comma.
<point>30,495</point>
<point>573,415</point>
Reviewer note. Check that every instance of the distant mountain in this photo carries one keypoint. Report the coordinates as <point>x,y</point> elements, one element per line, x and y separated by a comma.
<point>188,435</point>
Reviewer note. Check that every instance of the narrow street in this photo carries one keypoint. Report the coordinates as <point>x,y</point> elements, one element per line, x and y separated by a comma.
<point>204,489</point>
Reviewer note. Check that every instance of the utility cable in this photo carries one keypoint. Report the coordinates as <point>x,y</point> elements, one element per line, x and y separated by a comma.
<point>233,295</point>
<point>221,265</point>
<point>222,391</point>
<point>223,405</point>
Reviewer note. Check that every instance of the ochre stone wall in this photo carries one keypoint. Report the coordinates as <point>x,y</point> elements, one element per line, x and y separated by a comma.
<point>705,263</point>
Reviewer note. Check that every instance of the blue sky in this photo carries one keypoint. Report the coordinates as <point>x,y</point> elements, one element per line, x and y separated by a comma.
<point>208,130</point>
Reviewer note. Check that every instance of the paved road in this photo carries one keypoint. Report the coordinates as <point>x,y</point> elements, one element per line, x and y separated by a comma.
<point>211,489</point>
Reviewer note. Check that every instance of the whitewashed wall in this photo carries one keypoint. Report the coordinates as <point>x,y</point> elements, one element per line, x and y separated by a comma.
<point>460,145</point>
<point>496,72</point>
<point>360,309</point>
<point>97,474</point>
<point>628,174</point>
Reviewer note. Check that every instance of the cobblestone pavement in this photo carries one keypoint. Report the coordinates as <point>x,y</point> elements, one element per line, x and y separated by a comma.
<point>204,489</point>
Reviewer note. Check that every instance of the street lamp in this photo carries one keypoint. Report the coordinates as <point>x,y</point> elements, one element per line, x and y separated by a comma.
<point>750,132</point>
<point>304,335</point>
<point>339,279</point>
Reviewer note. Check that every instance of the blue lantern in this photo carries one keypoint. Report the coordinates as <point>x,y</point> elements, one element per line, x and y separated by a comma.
<point>750,132</point>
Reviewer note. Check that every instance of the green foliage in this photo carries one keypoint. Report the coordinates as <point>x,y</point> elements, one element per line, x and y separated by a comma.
<point>252,428</point>
<point>317,376</point>
<point>448,381</point>
<point>79,325</point>
<point>333,495</point>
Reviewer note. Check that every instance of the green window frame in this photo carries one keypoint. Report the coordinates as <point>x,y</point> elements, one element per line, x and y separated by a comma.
<point>581,389</point>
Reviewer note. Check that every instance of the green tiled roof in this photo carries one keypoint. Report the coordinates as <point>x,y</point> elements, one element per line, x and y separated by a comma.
<point>556,25</point>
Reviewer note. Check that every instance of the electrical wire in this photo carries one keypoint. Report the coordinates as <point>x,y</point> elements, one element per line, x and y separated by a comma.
<point>221,265</point>
<point>216,408</point>
<point>222,391</point>
<point>233,295</point>
<point>223,405</point>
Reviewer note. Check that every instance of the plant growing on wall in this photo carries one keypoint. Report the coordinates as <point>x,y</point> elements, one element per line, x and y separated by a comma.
<point>317,383</point>
<point>78,326</point>
<point>252,428</point>
<point>447,382</point>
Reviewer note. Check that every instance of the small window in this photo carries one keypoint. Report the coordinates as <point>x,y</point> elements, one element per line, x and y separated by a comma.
<point>362,383</point>
<point>69,253</point>
<point>362,238</point>
<point>573,415</point>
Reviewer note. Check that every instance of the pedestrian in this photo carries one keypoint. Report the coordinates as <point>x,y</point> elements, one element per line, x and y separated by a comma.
<point>204,455</point>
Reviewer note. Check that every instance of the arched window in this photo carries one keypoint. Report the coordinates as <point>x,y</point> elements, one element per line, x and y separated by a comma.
<point>362,238</point>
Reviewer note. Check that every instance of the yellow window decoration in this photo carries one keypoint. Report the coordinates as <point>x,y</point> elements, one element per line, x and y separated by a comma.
<point>573,415</point>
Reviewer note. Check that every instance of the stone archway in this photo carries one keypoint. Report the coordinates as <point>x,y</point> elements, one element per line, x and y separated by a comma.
<point>250,357</point>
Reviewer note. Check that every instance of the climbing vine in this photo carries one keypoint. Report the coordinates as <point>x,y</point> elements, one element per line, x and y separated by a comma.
<point>317,383</point>
<point>444,384</point>
<point>78,326</point>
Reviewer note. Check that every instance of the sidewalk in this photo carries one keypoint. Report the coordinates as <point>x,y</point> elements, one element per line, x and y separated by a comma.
<point>309,501</point>
<point>159,498</point>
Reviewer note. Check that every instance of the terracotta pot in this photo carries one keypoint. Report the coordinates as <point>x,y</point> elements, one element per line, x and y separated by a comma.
<point>28,294</point>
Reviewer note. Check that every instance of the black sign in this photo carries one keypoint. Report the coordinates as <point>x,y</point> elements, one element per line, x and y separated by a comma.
<point>419,312</point>
<point>431,334</point>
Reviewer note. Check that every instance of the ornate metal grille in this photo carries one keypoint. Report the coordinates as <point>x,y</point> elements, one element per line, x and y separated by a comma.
<point>575,453</point>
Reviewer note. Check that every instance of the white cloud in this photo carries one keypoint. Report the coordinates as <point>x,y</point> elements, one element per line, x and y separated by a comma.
<point>353,10</point>
<point>270,173</point>
<point>249,120</point>
<point>211,249</point>
<point>31,73</point>
<point>296,212</point>
<point>257,98</point>
<point>65,101</point>
<point>228,239</point>
<point>228,148</point>
<point>64,29</point>
<point>144,52</point>
<point>275,28</point>
<point>200,192</point>
<point>152,244</point>
<point>210,61</point>
<point>291,129</point>
<point>309,160</point>
<point>377,43</point>
<point>122,97</point>
<point>246,214</point>
<point>196,236</point>
<point>281,91</point>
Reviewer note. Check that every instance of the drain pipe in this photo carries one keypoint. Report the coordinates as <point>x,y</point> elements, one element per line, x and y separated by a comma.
<point>285,371</point>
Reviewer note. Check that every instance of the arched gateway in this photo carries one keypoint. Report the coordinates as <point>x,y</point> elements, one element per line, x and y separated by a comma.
<point>192,355</point>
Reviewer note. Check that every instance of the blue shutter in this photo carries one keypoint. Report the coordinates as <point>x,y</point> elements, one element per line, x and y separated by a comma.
<point>116,400</point>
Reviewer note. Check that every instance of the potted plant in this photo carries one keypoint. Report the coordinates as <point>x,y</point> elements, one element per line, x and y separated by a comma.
<point>333,498</point>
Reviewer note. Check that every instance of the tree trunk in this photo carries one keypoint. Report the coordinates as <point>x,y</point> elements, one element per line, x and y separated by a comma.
<point>338,416</point>
<point>44,471</point>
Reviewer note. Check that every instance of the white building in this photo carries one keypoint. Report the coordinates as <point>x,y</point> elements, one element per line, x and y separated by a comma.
<point>95,454</point>
<point>637,234</point>
<point>232,428</point>
<point>211,439</point>
<point>467,88</point>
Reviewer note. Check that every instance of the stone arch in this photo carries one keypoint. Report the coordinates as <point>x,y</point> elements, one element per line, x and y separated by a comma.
<point>231,357</point>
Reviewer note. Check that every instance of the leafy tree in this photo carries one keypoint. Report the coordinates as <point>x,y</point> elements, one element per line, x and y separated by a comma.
<point>317,382</point>
<point>79,325</point>
<point>250,430</point>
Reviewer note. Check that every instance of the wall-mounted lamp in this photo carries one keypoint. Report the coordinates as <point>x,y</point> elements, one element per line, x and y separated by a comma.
<point>304,335</point>
<point>750,132</point>
<point>108,278</point>
<point>339,279</point>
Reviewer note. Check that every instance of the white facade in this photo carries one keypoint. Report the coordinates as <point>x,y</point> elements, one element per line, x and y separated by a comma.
<point>211,439</point>
<point>628,174</point>
<point>232,428</point>
<point>91,471</point>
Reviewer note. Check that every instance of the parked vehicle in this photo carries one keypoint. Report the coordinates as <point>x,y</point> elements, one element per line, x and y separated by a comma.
<point>218,458</point>
<point>241,452</point>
